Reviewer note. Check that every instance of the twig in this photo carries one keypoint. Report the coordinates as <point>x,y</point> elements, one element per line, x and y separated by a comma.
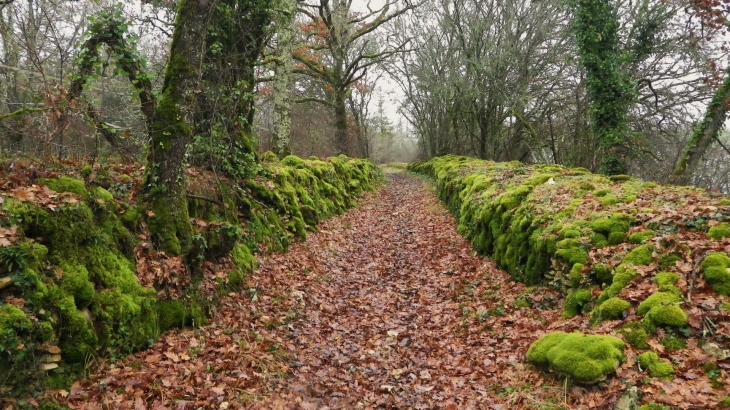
<point>202,198</point>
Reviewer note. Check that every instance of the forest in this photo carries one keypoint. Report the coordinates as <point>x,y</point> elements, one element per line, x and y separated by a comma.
<point>363,204</point>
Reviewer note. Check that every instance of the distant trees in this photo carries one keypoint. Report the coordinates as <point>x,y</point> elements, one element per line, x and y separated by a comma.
<point>609,85</point>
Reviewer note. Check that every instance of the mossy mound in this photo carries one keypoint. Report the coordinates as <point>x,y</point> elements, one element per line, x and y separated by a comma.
<point>719,231</point>
<point>657,299</point>
<point>656,366</point>
<point>716,268</point>
<point>612,308</point>
<point>585,358</point>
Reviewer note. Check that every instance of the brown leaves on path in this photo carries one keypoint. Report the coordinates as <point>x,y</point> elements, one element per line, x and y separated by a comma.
<point>386,306</point>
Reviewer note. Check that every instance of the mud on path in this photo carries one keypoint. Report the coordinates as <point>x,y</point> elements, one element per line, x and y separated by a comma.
<point>383,307</point>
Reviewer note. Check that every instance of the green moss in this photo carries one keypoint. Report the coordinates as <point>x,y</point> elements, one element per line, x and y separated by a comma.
<point>571,251</point>
<point>293,161</point>
<point>575,302</point>
<point>585,358</point>
<point>641,255</point>
<point>616,238</point>
<point>657,299</point>
<point>125,179</point>
<point>67,184</point>
<point>599,240</point>
<point>612,308</point>
<point>609,200</point>
<point>667,315</point>
<point>716,268</point>
<point>657,367</point>
<point>621,279</point>
<point>668,261</point>
<point>636,335</point>
<point>724,202</point>
<point>269,156</point>
<point>75,281</point>
<point>608,225</point>
<point>86,171</point>
<point>667,281</point>
<point>725,403</point>
<point>576,275</point>
<point>602,192</point>
<point>178,313</point>
<point>654,406</point>
<point>602,274</point>
<point>12,321</point>
<point>641,236</point>
<point>719,231</point>
<point>618,178</point>
<point>103,195</point>
<point>672,342</point>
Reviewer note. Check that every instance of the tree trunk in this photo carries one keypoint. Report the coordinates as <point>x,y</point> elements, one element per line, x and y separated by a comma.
<point>172,130</point>
<point>283,79</point>
<point>703,136</point>
<point>342,140</point>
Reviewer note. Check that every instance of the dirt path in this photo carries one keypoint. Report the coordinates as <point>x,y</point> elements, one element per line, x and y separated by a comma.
<point>384,307</point>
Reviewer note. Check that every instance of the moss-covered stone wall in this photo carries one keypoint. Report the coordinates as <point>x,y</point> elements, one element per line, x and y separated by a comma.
<point>632,257</point>
<point>77,277</point>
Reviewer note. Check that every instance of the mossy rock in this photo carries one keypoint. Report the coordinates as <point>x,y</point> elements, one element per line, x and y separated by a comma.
<point>667,281</point>
<point>719,231</point>
<point>638,238</point>
<point>667,315</point>
<point>641,255</point>
<point>585,358</point>
<point>657,299</point>
<point>656,366</point>
<point>67,184</point>
<point>716,268</point>
<point>636,335</point>
<point>612,308</point>
<point>575,302</point>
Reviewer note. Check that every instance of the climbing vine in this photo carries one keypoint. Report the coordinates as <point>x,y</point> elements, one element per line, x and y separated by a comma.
<point>596,27</point>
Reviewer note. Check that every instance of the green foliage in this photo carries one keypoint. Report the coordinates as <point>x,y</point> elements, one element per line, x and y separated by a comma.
<point>585,358</point>
<point>654,406</point>
<point>596,24</point>
<point>716,268</point>
<point>657,367</point>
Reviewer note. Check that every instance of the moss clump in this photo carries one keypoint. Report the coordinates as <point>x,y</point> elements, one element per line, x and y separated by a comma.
<point>102,195</point>
<point>67,184</point>
<point>13,322</point>
<point>724,202</point>
<point>293,161</point>
<point>719,231</point>
<point>75,281</point>
<point>716,268</point>
<point>602,192</point>
<point>612,308</point>
<point>654,406</point>
<point>269,156</point>
<point>618,178</point>
<point>667,281</point>
<point>668,261</point>
<point>179,313</point>
<point>657,367</point>
<point>576,275</point>
<point>585,358</point>
<point>571,251</point>
<point>575,302</point>
<point>621,279</point>
<point>638,238</point>
<point>641,255</point>
<point>672,342</point>
<point>657,299</point>
<point>244,261</point>
<point>636,335</point>
<point>667,315</point>
<point>86,171</point>
<point>602,274</point>
<point>614,229</point>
